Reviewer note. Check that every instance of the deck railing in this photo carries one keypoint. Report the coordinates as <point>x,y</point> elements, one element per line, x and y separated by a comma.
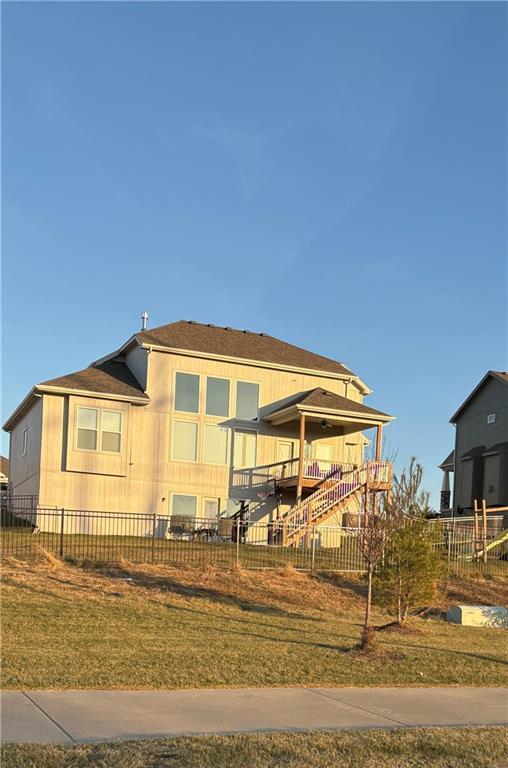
<point>313,469</point>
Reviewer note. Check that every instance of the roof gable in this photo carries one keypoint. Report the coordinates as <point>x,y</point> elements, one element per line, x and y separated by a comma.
<point>229,342</point>
<point>501,376</point>
<point>320,398</point>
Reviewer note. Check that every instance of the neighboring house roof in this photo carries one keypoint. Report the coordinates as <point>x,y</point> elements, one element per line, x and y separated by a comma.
<point>319,398</point>
<point>4,466</point>
<point>229,342</point>
<point>501,376</point>
<point>449,462</point>
<point>112,378</point>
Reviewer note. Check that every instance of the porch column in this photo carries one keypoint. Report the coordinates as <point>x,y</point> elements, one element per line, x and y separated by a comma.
<point>379,442</point>
<point>300,459</point>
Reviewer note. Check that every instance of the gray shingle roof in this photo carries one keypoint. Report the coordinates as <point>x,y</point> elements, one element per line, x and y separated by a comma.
<point>112,377</point>
<point>322,398</point>
<point>229,342</point>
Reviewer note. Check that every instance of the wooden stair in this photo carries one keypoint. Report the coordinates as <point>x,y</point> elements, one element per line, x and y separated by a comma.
<point>337,490</point>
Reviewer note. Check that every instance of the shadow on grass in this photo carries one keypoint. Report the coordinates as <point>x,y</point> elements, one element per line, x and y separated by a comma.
<point>171,585</point>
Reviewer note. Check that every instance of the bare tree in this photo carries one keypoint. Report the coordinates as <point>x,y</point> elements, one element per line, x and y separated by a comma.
<point>378,529</point>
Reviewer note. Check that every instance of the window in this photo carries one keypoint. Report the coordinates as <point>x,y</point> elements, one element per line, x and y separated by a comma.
<point>91,421</point>
<point>216,444</point>
<point>24,444</point>
<point>88,426</point>
<point>185,434</point>
<point>211,509</point>
<point>187,392</point>
<point>245,448</point>
<point>183,513</point>
<point>111,431</point>
<point>217,397</point>
<point>247,398</point>
<point>491,418</point>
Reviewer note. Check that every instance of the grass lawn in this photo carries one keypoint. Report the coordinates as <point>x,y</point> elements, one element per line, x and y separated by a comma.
<point>127,626</point>
<point>415,748</point>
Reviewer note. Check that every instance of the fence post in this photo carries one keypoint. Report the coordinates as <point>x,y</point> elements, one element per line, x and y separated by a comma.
<point>237,561</point>
<point>154,530</point>
<point>62,528</point>
<point>313,550</point>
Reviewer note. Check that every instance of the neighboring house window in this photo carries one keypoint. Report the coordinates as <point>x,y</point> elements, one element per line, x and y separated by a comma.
<point>247,400</point>
<point>88,425</point>
<point>185,438</point>
<point>91,421</point>
<point>245,448</point>
<point>187,392</point>
<point>24,444</point>
<point>111,431</point>
<point>216,444</point>
<point>183,513</point>
<point>217,397</point>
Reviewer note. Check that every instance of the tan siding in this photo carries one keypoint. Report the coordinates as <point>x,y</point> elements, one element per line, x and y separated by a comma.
<point>144,477</point>
<point>24,470</point>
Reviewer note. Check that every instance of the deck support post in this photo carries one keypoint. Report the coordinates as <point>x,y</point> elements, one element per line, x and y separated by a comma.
<point>379,442</point>
<point>299,488</point>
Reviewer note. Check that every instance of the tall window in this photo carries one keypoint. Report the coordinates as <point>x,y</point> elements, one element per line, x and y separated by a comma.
<point>24,444</point>
<point>185,437</point>
<point>216,444</point>
<point>217,397</point>
<point>245,450</point>
<point>88,427</point>
<point>187,392</point>
<point>94,421</point>
<point>247,400</point>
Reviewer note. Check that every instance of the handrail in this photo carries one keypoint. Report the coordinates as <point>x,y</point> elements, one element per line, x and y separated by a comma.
<point>324,499</point>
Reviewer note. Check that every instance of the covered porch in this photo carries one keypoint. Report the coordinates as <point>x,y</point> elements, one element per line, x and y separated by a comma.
<point>315,412</point>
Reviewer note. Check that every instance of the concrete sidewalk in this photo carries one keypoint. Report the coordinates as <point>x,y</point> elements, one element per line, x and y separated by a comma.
<point>68,717</point>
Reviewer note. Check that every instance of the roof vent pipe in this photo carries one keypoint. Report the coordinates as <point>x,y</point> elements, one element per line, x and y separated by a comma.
<point>144,320</point>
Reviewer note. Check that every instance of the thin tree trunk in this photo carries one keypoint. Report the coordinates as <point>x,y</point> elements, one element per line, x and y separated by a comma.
<point>368,605</point>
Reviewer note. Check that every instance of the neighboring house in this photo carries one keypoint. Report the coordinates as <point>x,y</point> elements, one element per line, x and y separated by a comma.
<point>192,420</point>
<point>479,462</point>
<point>4,474</point>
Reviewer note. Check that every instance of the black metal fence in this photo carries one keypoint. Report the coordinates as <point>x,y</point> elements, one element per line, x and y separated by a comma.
<point>27,530</point>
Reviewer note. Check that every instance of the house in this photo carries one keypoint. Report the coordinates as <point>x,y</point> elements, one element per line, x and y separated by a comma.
<point>197,421</point>
<point>479,461</point>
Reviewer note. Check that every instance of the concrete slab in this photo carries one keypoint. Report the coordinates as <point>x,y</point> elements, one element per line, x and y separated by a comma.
<point>429,706</point>
<point>106,715</point>
<point>63,717</point>
<point>22,721</point>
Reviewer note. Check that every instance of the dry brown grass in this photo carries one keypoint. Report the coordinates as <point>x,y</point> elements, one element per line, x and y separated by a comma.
<point>142,626</point>
<point>411,748</point>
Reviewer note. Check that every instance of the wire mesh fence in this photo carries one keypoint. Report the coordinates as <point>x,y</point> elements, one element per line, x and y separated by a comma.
<point>27,530</point>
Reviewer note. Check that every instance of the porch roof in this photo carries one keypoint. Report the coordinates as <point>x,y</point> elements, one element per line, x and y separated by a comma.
<point>318,404</point>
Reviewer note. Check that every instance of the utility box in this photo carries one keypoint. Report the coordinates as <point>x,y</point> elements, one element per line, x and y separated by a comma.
<point>478,616</point>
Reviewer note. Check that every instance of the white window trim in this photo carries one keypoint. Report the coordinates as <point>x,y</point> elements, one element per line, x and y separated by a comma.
<point>24,442</point>
<point>200,394</point>
<point>183,493</point>
<point>185,461</point>
<point>99,448</point>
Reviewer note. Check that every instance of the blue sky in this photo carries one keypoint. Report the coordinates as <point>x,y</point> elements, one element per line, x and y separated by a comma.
<point>332,174</point>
